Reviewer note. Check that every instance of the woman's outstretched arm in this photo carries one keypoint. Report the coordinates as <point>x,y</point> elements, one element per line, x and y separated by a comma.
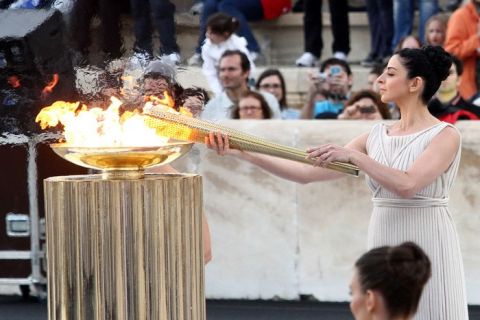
<point>287,169</point>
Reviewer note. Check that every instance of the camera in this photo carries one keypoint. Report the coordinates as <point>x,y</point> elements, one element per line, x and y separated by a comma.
<point>367,109</point>
<point>334,70</point>
<point>320,76</point>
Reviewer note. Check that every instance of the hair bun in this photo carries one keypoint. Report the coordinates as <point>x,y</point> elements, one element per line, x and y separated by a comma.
<point>409,263</point>
<point>440,60</point>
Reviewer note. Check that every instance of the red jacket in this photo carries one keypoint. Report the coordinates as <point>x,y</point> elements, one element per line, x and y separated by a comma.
<point>458,115</point>
<point>462,41</point>
<point>275,8</point>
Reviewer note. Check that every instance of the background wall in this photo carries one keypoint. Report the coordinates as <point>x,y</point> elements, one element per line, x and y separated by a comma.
<point>276,239</point>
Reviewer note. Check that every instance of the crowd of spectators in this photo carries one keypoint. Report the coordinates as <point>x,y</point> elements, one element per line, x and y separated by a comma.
<point>224,27</point>
<point>329,94</point>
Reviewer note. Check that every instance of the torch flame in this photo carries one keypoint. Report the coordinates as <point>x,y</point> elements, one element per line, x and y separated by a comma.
<point>96,127</point>
<point>49,87</point>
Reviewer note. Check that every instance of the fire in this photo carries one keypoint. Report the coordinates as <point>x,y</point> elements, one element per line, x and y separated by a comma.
<point>49,87</point>
<point>96,127</point>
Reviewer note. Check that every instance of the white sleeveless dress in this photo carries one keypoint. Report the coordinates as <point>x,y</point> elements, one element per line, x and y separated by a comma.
<point>424,219</point>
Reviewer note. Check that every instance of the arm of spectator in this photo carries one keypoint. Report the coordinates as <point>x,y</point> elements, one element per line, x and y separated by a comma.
<point>312,96</point>
<point>350,113</point>
<point>458,42</point>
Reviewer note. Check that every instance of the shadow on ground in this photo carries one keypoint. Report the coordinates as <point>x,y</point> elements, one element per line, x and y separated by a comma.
<point>16,308</point>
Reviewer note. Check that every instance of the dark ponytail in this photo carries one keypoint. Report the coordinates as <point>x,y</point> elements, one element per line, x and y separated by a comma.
<point>431,63</point>
<point>399,273</point>
<point>221,23</point>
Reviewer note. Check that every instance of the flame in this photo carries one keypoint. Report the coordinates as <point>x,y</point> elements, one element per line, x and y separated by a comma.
<point>49,87</point>
<point>96,127</point>
<point>14,81</point>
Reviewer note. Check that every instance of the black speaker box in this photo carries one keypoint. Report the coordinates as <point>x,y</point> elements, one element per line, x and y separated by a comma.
<point>32,56</point>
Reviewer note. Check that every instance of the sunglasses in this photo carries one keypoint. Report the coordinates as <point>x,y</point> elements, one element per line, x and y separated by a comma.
<point>270,86</point>
<point>249,108</point>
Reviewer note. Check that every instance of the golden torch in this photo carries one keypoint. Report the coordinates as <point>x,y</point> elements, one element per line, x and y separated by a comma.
<point>198,129</point>
<point>122,244</point>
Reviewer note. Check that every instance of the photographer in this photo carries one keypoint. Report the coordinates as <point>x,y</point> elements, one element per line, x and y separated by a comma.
<point>328,91</point>
<point>365,105</point>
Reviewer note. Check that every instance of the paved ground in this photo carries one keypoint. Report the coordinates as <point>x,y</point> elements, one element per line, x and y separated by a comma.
<point>12,307</point>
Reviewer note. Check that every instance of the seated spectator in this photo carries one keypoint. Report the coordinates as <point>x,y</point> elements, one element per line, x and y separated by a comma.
<point>410,41</point>
<point>462,41</point>
<point>329,90</point>
<point>220,38</point>
<point>388,282</point>
<point>234,71</point>
<point>251,106</point>
<point>447,104</point>
<point>436,30</point>
<point>365,105</point>
<point>243,11</point>
<point>272,81</point>
<point>160,77</point>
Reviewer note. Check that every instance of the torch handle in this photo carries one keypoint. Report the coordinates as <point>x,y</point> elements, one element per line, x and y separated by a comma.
<point>239,140</point>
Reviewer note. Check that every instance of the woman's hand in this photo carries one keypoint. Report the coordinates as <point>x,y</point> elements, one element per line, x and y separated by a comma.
<point>219,142</point>
<point>325,154</point>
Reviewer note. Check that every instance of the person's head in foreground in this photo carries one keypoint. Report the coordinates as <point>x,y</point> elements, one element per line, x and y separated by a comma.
<point>388,282</point>
<point>414,74</point>
<point>252,106</point>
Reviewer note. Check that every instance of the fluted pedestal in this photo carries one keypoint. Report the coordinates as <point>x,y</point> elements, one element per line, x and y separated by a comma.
<point>125,249</point>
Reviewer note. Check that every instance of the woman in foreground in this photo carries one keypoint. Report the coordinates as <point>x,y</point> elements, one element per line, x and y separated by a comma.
<point>388,282</point>
<point>409,166</point>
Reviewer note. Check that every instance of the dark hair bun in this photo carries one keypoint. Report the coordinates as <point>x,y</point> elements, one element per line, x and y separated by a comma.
<point>440,60</point>
<point>409,263</point>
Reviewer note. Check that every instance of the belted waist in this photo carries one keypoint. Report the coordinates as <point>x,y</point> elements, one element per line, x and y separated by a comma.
<point>410,203</point>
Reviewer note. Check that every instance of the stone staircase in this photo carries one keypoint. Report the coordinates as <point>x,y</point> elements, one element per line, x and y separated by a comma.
<point>281,41</point>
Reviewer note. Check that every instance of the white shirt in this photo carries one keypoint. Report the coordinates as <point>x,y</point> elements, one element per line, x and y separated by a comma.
<point>211,54</point>
<point>221,107</point>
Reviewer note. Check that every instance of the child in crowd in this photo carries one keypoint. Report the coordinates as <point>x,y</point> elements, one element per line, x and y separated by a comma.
<point>410,41</point>
<point>436,30</point>
<point>220,38</point>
